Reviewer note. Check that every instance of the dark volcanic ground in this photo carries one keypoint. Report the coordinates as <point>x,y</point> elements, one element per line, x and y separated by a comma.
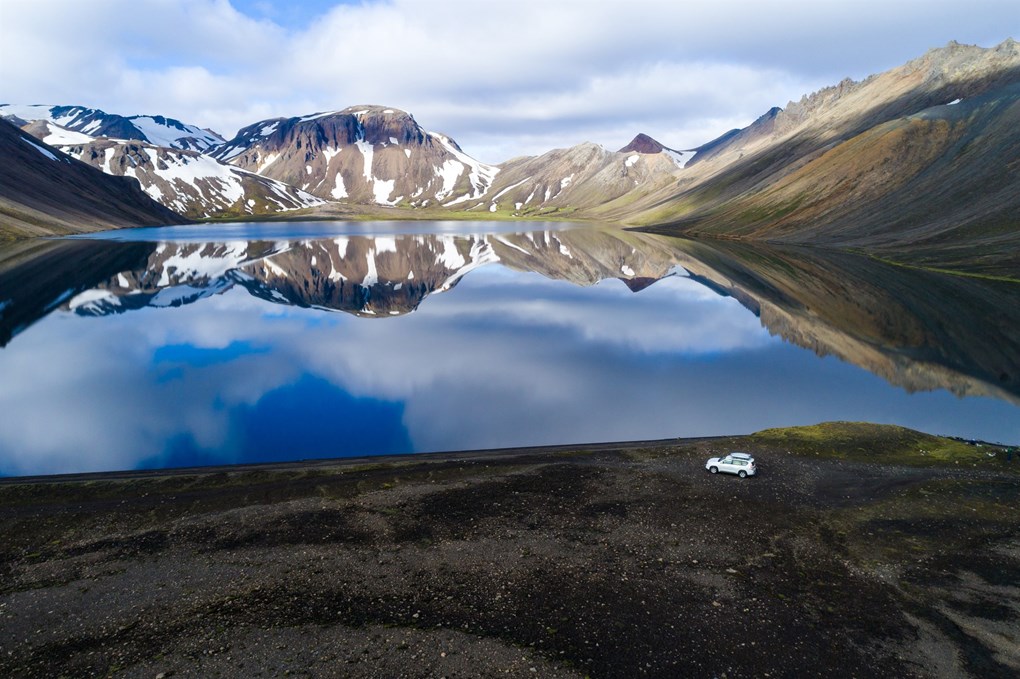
<point>611,562</point>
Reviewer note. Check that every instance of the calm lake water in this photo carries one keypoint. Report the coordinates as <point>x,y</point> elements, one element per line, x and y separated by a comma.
<point>264,342</point>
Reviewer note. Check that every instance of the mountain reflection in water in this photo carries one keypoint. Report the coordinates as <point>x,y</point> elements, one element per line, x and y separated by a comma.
<point>153,354</point>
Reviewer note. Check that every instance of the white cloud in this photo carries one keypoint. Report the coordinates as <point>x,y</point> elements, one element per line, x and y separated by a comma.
<point>502,78</point>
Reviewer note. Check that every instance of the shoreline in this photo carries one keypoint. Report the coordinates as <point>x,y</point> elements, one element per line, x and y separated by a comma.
<point>478,454</point>
<point>859,550</point>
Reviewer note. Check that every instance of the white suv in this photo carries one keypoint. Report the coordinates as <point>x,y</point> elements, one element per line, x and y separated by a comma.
<point>740,464</point>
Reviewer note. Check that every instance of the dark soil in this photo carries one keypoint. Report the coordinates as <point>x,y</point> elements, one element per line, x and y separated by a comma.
<point>613,561</point>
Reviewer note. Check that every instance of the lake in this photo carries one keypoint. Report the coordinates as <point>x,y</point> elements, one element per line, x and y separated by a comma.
<point>212,344</point>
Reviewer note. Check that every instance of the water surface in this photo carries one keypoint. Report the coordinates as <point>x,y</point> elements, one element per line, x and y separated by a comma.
<point>214,344</point>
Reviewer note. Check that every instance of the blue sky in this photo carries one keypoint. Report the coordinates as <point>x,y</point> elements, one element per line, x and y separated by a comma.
<point>502,78</point>
<point>289,15</point>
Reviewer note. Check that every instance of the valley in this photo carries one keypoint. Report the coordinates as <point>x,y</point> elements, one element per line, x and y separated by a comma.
<point>913,165</point>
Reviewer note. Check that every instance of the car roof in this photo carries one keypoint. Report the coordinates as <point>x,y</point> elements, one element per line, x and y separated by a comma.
<point>745,456</point>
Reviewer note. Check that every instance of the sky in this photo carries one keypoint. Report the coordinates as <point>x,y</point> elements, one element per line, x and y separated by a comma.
<point>502,78</point>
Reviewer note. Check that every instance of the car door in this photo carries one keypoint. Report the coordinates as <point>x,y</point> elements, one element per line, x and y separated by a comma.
<point>726,465</point>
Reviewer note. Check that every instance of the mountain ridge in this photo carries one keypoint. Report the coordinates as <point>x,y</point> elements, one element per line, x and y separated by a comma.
<point>911,164</point>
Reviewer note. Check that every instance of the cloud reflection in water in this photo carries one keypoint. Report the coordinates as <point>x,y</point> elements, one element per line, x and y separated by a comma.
<point>506,358</point>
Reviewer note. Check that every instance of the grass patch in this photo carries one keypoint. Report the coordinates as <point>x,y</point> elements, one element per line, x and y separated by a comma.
<point>887,444</point>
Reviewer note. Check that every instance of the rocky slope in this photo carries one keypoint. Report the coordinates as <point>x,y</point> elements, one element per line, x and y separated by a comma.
<point>581,177</point>
<point>191,183</point>
<point>915,163</point>
<point>46,192</point>
<point>362,154</point>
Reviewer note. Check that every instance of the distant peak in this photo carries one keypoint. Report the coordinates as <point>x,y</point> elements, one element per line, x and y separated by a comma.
<point>642,144</point>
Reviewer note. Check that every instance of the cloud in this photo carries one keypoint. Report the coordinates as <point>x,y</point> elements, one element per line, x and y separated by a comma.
<point>503,79</point>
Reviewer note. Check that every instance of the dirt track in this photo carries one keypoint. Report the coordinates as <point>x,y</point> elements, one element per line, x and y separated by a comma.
<point>607,563</point>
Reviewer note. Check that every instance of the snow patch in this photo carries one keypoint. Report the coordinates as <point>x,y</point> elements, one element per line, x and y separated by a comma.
<point>507,243</point>
<point>266,162</point>
<point>58,136</point>
<point>330,153</point>
<point>481,175</point>
<point>372,277</point>
<point>40,149</point>
<point>162,134</point>
<point>385,244</point>
<point>677,157</point>
<point>383,189</point>
<point>368,152</point>
<point>339,191</point>
<point>107,158</point>
<point>631,160</point>
<point>450,257</point>
<point>316,116</point>
<point>450,172</point>
<point>90,297</point>
<point>510,188</point>
<point>626,270</point>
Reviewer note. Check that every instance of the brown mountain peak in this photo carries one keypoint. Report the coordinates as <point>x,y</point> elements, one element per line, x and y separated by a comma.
<point>642,144</point>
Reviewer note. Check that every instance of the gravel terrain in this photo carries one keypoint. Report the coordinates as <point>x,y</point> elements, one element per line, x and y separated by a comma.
<point>602,561</point>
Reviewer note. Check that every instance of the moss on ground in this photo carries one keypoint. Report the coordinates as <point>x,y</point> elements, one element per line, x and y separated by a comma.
<point>887,444</point>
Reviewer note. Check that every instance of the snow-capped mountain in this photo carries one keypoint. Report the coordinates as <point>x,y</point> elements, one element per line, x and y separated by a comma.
<point>362,154</point>
<point>157,130</point>
<point>190,183</point>
<point>45,192</point>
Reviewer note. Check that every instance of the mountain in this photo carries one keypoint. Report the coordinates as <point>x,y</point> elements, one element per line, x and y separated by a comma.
<point>45,192</point>
<point>156,130</point>
<point>571,179</point>
<point>362,154</point>
<point>190,183</point>
<point>644,144</point>
<point>915,164</point>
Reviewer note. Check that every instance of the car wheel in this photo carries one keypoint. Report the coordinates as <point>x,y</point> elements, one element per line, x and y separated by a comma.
<point>714,470</point>
<point>742,474</point>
